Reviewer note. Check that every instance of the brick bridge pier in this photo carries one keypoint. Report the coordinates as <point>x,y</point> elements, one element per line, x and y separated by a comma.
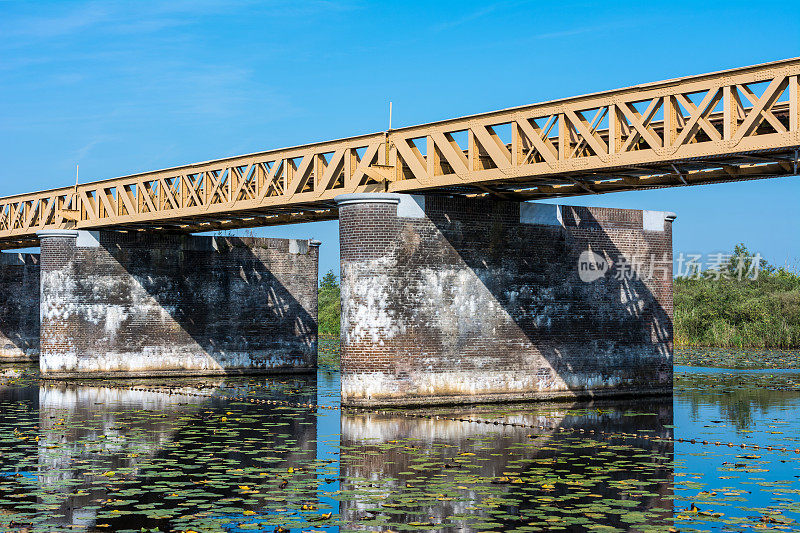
<point>460,300</point>
<point>148,304</point>
<point>444,300</point>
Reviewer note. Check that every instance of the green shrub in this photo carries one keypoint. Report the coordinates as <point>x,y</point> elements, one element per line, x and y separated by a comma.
<point>738,313</point>
<point>328,305</point>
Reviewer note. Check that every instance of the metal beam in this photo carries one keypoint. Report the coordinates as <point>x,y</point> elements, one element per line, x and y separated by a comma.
<point>719,122</point>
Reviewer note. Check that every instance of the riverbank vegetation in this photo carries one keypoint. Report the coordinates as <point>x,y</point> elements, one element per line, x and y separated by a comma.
<point>725,307</point>
<point>328,305</point>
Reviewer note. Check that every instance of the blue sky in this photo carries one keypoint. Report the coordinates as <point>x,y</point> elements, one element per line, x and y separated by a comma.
<point>122,87</point>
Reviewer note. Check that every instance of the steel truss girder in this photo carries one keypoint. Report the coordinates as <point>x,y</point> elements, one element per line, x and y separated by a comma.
<point>737,124</point>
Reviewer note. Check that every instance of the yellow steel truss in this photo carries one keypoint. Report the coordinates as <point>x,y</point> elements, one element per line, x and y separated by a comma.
<point>731,125</point>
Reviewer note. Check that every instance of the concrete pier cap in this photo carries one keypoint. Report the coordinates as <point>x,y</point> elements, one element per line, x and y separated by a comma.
<point>57,233</point>
<point>408,205</point>
<point>368,198</point>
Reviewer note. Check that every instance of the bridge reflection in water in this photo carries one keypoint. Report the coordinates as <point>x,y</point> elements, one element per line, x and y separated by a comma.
<point>171,457</point>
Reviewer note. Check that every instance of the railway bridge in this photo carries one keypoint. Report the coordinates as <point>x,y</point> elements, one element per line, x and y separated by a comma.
<point>456,285</point>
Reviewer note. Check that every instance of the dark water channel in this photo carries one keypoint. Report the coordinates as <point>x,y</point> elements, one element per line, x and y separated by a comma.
<point>174,456</point>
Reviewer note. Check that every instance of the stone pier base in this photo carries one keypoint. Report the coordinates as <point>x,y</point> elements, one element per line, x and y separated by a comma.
<point>147,304</point>
<point>19,307</point>
<point>458,300</point>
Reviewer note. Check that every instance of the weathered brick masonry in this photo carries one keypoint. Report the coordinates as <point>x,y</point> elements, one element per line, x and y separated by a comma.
<point>19,307</point>
<point>139,304</point>
<point>463,300</point>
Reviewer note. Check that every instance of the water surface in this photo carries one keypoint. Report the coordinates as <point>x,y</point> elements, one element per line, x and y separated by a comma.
<point>175,456</point>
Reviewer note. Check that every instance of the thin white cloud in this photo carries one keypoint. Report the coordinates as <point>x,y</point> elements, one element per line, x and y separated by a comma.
<point>566,33</point>
<point>473,15</point>
<point>68,22</point>
<point>122,17</point>
<point>84,150</point>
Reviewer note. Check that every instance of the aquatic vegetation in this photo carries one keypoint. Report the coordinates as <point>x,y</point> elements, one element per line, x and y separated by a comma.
<point>725,488</point>
<point>248,454</point>
<point>328,354</point>
<point>737,358</point>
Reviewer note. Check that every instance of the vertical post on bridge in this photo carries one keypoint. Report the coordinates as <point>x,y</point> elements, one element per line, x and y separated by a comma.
<point>794,105</point>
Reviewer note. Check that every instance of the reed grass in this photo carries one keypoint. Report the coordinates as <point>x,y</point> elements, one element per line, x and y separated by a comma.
<point>738,313</point>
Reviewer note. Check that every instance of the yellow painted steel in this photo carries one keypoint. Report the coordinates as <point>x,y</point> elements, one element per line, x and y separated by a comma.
<point>736,124</point>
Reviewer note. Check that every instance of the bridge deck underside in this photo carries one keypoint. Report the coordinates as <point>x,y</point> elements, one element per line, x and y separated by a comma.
<point>734,125</point>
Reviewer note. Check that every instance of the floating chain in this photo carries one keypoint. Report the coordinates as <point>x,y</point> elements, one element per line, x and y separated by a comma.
<point>407,414</point>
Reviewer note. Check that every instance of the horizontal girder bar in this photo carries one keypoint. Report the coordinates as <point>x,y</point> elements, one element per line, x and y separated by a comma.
<point>731,125</point>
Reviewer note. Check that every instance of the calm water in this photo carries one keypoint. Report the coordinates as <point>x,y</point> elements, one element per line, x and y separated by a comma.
<point>98,456</point>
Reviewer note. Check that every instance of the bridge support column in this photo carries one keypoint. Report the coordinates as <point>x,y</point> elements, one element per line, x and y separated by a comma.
<point>144,304</point>
<point>459,300</point>
<point>19,307</point>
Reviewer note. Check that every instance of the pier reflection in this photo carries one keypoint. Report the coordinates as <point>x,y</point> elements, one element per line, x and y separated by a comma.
<point>463,476</point>
<point>95,437</point>
<point>99,456</point>
<point>154,454</point>
<point>211,454</point>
